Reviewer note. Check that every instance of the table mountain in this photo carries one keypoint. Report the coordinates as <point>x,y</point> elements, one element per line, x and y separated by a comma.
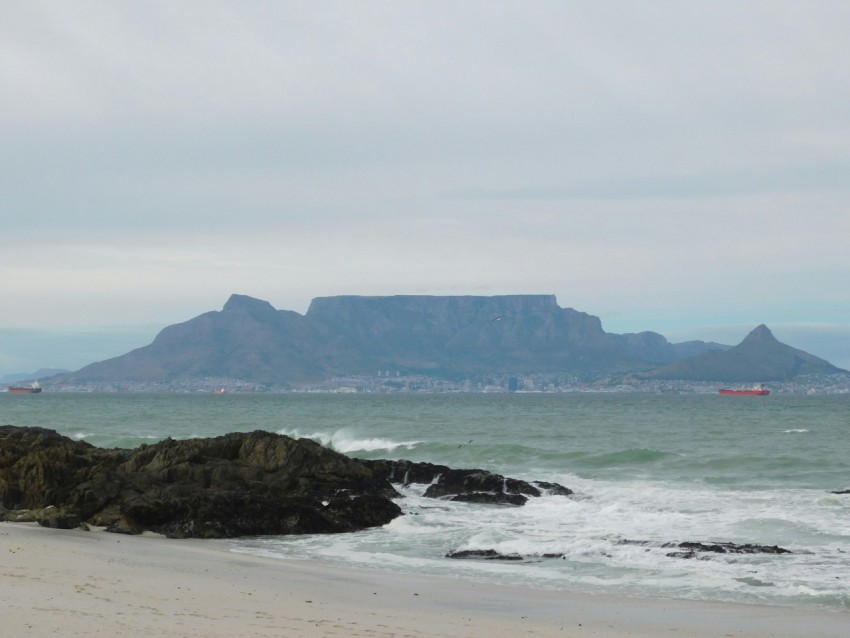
<point>449,337</point>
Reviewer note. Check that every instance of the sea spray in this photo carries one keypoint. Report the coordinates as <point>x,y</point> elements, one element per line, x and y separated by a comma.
<point>348,442</point>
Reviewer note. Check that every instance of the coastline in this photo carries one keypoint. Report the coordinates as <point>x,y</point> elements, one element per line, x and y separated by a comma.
<point>96,583</point>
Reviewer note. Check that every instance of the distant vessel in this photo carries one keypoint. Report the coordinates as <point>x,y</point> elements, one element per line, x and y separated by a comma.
<point>220,391</point>
<point>34,388</point>
<point>755,391</point>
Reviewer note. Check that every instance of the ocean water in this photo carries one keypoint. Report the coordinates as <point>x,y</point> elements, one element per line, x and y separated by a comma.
<point>650,468</point>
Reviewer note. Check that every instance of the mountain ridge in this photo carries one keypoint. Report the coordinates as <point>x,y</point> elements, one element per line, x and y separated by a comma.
<point>448,337</point>
<point>759,357</point>
<point>17,377</point>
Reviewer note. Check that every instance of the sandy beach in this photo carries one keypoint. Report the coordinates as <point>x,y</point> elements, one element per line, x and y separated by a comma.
<point>75,582</point>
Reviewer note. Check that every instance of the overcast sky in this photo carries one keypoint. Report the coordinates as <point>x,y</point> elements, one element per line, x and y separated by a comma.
<point>677,166</point>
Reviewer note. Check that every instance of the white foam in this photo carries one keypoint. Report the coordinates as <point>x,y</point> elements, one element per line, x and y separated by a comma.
<point>346,442</point>
<point>587,537</point>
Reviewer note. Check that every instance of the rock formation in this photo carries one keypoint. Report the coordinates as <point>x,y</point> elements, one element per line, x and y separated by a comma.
<point>473,486</point>
<point>689,549</point>
<point>233,485</point>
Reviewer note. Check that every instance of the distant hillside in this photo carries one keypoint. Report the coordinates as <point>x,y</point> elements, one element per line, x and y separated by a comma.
<point>41,373</point>
<point>759,357</point>
<point>443,337</point>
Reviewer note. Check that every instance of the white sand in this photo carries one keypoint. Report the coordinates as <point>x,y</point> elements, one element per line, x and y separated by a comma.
<point>64,583</point>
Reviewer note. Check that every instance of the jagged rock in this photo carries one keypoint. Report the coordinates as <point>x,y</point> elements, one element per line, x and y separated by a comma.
<point>841,492</point>
<point>492,554</point>
<point>470,485</point>
<point>486,554</point>
<point>39,467</point>
<point>486,498</point>
<point>455,482</point>
<point>358,512</point>
<point>58,517</point>
<point>16,516</point>
<point>691,550</point>
<point>235,461</point>
<point>232,485</point>
<point>405,472</point>
<point>694,549</point>
<point>554,489</point>
<point>24,516</point>
<point>122,525</point>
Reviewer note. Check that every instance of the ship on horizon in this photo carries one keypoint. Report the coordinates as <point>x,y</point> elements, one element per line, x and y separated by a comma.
<point>755,391</point>
<point>33,388</point>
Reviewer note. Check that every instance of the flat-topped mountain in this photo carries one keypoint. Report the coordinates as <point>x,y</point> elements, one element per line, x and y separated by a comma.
<point>449,337</point>
<point>759,357</point>
<point>442,337</point>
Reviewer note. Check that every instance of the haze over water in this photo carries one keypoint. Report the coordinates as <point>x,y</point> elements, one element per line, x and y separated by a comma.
<point>653,468</point>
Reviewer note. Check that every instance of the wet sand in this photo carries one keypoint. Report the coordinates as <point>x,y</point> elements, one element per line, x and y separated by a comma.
<point>74,582</point>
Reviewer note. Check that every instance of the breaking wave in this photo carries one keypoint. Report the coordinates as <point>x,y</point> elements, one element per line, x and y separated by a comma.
<point>346,442</point>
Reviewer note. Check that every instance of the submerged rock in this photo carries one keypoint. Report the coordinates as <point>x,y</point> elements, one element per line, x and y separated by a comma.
<point>492,554</point>
<point>485,554</point>
<point>490,499</point>
<point>691,549</point>
<point>554,489</point>
<point>477,486</point>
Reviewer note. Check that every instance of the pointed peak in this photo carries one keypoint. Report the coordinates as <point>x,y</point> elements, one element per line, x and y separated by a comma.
<point>760,333</point>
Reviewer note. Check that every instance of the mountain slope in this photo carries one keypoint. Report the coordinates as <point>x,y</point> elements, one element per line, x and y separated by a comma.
<point>248,339</point>
<point>447,337</point>
<point>31,376</point>
<point>759,357</point>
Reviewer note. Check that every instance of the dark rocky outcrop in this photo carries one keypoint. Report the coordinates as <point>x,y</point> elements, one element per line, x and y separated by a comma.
<point>553,489</point>
<point>58,517</point>
<point>689,550</point>
<point>841,492</point>
<point>485,498</point>
<point>693,550</point>
<point>232,485</point>
<point>484,554</point>
<point>492,554</point>
<point>473,486</point>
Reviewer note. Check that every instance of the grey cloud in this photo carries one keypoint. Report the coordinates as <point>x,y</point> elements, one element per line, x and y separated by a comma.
<point>528,130</point>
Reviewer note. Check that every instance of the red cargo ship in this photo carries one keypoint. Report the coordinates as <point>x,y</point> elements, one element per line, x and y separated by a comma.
<point>757,391</point>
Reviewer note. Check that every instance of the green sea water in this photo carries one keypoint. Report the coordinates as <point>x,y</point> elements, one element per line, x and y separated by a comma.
<point>649,468</point>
